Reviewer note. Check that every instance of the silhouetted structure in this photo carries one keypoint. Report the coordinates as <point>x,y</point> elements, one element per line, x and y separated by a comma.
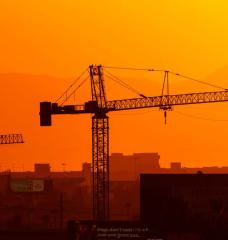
<point>42,169</point>
<point>99,106</point>
<point>129,167</point>
<point>189,203</point>
<point>43,199</point>
<point>175,165</point>
<point>11,138</point>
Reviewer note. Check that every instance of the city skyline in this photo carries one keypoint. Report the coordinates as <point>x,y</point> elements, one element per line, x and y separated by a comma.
<point>41,57</point>
<point>109,101</point>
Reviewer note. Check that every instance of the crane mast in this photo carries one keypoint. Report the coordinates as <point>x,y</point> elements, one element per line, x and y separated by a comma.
<point>99,107</point>
<point>100,146</point>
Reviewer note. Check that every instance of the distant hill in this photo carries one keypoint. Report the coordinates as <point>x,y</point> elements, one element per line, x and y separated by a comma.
<point>219,77</point>
<point>69,139</point>
<point>221,73</point>
<point>19,103</point>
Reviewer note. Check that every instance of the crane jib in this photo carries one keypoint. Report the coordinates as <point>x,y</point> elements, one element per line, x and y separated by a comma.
<point>167,100</point>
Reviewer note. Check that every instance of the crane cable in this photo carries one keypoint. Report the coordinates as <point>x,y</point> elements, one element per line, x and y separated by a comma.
<point>73,92</point>
<point>68,89</point>
<point>135,69</point>
<point>199,81</point>
<point>173,73</point>
<point>122,83</point>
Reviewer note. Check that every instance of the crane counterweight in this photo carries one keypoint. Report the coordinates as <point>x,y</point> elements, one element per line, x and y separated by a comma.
<point>45,114</point>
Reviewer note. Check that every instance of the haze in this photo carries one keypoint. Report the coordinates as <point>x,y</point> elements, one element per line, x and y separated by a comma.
<point>45,44</point>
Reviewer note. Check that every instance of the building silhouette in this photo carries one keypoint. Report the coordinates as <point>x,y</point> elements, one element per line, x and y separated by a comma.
<point>129,167</point>
<point>186,203</point>
<point>46,199</point>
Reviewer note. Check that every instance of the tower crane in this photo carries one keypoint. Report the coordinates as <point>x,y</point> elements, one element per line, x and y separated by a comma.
<point>99,107</point>
<point>11,138</point>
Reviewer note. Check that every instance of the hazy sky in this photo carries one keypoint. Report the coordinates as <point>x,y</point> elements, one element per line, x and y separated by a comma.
<point>61,38</point>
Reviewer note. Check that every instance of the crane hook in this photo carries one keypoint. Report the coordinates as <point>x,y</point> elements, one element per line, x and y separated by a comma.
<point>165,109</point>
<point>165,116</point>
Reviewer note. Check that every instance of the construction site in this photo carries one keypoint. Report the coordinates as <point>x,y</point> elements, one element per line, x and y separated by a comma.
<point>114,195</point>
<point>109,198</point>
<point>113,120</point>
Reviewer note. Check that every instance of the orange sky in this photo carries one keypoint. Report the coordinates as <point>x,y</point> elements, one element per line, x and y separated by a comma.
<point>61,38</point>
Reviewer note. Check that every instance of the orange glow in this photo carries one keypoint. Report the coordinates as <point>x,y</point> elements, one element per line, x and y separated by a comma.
<point>44,44</point>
